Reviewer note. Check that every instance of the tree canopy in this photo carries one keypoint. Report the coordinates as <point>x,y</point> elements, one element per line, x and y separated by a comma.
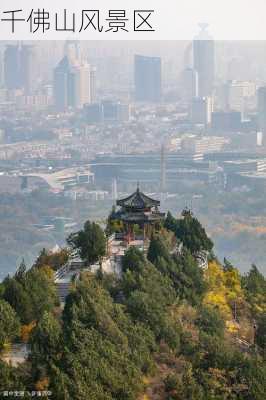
<point>162,328</point>
<point>90,242</point>
<point>9,323</point>
<point>190,232</point>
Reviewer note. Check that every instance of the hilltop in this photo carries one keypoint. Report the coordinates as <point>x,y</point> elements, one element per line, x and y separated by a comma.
<point>163,328</point>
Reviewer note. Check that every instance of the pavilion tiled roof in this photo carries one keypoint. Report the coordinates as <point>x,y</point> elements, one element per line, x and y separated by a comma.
<point>138,200</point>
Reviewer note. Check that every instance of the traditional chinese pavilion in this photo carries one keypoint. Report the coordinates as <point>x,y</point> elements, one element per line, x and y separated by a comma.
<point>141,210</point>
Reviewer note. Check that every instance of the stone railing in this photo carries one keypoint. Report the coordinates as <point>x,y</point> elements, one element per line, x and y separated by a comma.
<point>62,271</point>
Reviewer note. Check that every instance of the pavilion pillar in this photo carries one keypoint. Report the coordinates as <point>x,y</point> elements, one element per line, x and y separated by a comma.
<point>130,232</point>
<point>127,233</point>
<point>144,232</point>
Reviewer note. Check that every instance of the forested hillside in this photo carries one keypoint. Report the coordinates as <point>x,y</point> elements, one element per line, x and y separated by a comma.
<point>164,329</point>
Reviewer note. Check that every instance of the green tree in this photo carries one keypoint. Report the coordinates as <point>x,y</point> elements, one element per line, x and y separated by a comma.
<point>254,284</point>
<point>105,351</point>
<point>21,271</point>
<point>260,336</point>
<point>133,260</point>
<point>190,232</point>
<point>10,379</point>
<point>46,339</point>
<point>16,295</point>
<point>157,250</point>
<point>188,278</point>
<point>210,321</point>
<point>55,260</point>
<point>170,222</point>
<point>9,323</point>
<point>30,294</point>
<point>90,243</point>
<point>227,265</point>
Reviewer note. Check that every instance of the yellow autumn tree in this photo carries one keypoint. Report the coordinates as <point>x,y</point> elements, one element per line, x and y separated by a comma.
<point>217,293</point>
<point>225,290</point>
<point>26,331</point>
<point>234,292</point>
<point>49,272</point>
<point>42,384</point>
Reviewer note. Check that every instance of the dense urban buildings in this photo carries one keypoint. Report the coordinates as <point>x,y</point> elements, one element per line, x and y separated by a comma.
<point>98,119</point>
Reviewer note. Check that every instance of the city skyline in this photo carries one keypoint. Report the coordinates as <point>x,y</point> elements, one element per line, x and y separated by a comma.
<point>82,112</point>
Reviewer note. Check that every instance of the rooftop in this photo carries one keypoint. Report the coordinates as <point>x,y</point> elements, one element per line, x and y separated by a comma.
<point>138,201</point>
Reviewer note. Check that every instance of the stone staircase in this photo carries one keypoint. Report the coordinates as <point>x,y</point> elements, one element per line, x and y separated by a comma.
<point>63,290</point>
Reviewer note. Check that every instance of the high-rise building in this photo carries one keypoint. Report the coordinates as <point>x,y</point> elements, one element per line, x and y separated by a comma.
<point>27,74</point>
<point>203,61</point>
<point>240,95</point>
<point>62,84</point>
<point>201,110</point>
<point>188,62</point>
<point>93,83</point>
<point>148,79</point>
<point>12,77</point>
<point>72,84</point>
<point>190,84</point>
<point>1,69</point>
<point>82,85</point>
<point>222,121</point>
<point>72,50</point>
<point>19,68</point>
<point>262,109</point>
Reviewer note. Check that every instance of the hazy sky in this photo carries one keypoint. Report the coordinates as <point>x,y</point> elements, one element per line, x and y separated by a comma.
<point>171,20</point>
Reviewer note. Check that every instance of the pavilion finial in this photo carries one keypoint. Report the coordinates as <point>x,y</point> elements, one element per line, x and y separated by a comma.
<point>138,186</point>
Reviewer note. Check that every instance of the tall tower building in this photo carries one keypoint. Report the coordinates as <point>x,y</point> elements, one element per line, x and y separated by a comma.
<point>262,110</point>
<point>203,61</point>
<point>72,85</point>
<point>72,50</point>
<point>82,90</point>
<point>148,79</point>
<point>1,69</point>
<point>190,84</point>
<point>12,78</point>
<point>188,62</point>
<point>201,110</point>
<point>62,84</point>
<point>93,84</point>
<point>27,72</point>
<point>19,64</point>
